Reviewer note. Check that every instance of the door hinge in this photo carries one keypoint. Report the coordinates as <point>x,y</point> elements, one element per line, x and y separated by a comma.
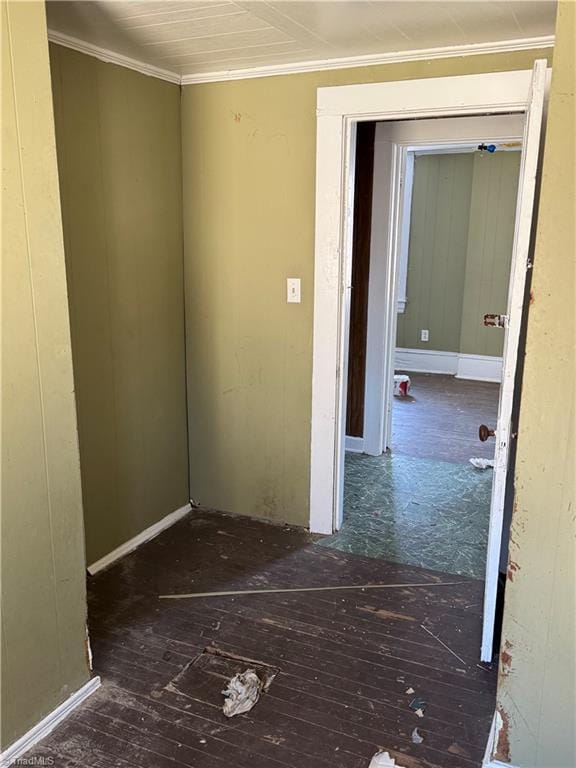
<point>496,321</point>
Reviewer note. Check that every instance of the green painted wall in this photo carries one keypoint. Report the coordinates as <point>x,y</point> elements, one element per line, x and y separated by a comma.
<point>489,251</point>
<point>461,235</point>
<point>537,687</point>
<point>119,157</point>
<point>249,153</point>
<point>437,253</point>
<point>43,592</point>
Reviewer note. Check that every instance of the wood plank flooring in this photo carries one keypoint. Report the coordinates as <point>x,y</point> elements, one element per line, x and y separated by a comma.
<point>440,418</point>
<point>345,658</point>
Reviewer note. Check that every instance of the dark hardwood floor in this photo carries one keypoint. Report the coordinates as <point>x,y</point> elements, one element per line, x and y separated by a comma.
<point>346,659</point>
<point>440,418</point>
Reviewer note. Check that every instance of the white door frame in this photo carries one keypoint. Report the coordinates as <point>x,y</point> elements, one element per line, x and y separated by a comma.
<point>339,109</point>
<point>394,148</point>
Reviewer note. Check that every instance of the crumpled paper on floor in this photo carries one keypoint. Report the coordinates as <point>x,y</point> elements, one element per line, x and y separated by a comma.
<point>241,693</point>
<point>383,760</point>
<point>482,463</point>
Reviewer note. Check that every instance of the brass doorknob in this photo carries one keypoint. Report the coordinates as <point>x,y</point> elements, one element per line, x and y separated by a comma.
<point>485,432</point>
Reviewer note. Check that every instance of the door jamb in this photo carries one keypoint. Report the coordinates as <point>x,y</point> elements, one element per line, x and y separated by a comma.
<point>339,108</point>
<point>388,261</point>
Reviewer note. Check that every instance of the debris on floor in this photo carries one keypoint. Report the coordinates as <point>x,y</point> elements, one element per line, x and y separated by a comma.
<point>418,704</point>
<point>235,592</point>
<point>416,737</point>
<point>245,679</point>
<point>241,693</point>
<point>482,463</point>
<point>383,760</point>
<point>401,385</point>
<point>244,689</point>
<point>409,691</point>
<point>178,700</point>
<point>443,644</point>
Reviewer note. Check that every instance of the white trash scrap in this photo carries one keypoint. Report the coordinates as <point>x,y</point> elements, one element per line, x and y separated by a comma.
<point>401,385</point>
<point>482,463</point>
<point>241,693</point>
<point>383,760</point>
<point>416,737</point>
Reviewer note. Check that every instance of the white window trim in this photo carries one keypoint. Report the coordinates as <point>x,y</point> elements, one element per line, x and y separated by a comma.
<point>404,247</point>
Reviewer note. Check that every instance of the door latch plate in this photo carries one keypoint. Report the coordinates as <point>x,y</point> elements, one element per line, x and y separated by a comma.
<point>496,321</point>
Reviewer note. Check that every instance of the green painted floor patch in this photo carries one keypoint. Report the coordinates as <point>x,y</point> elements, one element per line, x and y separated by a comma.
<point>416,511</point>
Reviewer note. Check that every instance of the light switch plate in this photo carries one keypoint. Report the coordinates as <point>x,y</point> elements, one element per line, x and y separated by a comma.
<point>293,290</point>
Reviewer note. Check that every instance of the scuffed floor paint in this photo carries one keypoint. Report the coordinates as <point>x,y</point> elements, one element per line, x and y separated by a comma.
<point>416,511</point>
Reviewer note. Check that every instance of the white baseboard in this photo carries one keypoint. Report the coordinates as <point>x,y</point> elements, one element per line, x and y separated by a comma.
<point>134,543</point>
<point>475,367</point>
<point>354,444</point>
<point>45,726</point>
<point>479,368</point>
<point>425,361</point>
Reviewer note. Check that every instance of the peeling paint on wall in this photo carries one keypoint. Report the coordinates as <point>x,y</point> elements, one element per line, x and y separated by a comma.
<point>536,696</point>
<point>502,751</point>
<point>512,568</point>
<point>506,657</point>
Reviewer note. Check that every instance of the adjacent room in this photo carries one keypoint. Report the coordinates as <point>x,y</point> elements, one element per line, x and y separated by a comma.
<point>273,274</point>
<point>425,500</point>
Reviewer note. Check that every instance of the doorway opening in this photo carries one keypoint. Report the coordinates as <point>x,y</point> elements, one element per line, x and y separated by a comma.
<point>414,496</point>
<point>401,147</point>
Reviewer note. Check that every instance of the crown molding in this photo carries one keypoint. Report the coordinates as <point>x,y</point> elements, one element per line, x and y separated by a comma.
<point>349,62</point>
<point>111,57</point>
<point>317,65</point>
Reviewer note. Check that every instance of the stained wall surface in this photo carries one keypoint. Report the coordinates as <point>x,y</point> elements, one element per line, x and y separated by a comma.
<point>43,565</point>
<point>536,691</point>
<point>249,155</point>
<point>119,158</point>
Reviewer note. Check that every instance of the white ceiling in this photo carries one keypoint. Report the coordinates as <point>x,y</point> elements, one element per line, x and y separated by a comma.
<point>194,37</point>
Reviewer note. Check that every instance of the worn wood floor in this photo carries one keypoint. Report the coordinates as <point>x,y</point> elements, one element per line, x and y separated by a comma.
<point>440,418</point>
<point>345,659</point>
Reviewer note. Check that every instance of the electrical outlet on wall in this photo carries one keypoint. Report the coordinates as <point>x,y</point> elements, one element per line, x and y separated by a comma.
<point>424,335</point>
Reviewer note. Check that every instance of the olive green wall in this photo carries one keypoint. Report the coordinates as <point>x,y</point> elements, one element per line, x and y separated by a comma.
<point>461,235</point>
<point>43,592</point>
<point>536,691</point>
<point>489,251</point>
<point>249,154</point>
<point>437,252</point>
<point>119,157</point>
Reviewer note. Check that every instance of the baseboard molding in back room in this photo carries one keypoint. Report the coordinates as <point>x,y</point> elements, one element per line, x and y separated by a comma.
<point>141,538</point>
<point>463,366</point>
